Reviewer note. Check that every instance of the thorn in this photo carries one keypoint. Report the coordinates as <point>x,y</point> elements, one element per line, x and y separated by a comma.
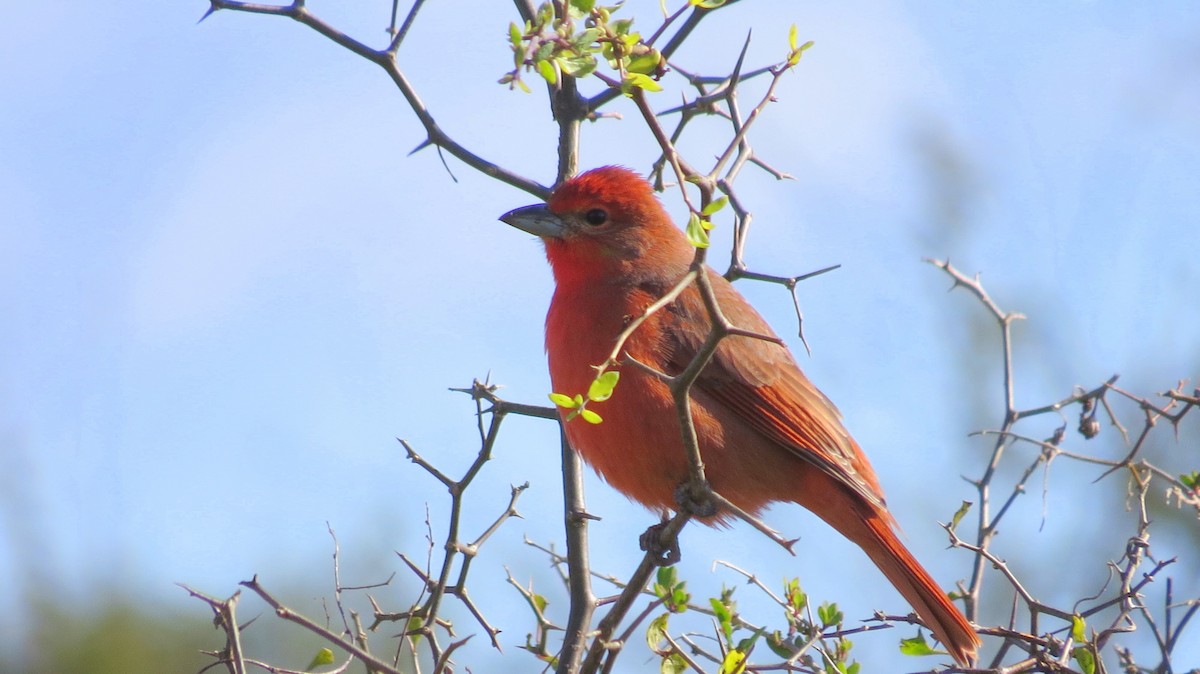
<point>804,341</point>
<point>805,277</point>
<point>736,75</point>
<point>584,515</point>
<point>212,9</point>
<point>424,144</point>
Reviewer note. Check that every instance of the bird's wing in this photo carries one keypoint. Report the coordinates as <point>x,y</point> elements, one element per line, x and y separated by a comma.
<point>761,382</point>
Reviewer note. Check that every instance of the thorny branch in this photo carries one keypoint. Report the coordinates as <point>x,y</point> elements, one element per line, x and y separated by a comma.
<point>225,618</point>
<point>1046,650</point>
<point>424,619</point>
<point>386,59</point>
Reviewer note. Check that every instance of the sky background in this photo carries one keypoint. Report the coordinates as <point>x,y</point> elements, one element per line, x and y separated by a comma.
<point>225,289</point>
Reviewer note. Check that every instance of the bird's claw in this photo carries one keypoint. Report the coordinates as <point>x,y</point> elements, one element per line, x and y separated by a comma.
<point>666,552</point>
<point>696,499</point>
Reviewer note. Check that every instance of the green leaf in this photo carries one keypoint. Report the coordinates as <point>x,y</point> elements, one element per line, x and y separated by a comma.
<point>323,657</point>
<point>524,87</point>
<point>779,645</point>
<point>697,234</point>
<point>724,617</point>
<point>1078,629</point>
<point>514,35</point>
<point>796,53</point>
<point>666,576</point>
<point>548,72</point>
<point>544,51</point>
<point>564,401</point>
<point>679,599</point>
<point>747,645</point>
<point>829,614</point>
<point>585,40</point>
<point>836,667</point>
<point>602,386</point>
<point>590,416</point>
<point>645,63</point>
<point>959,514</point>
<point>577,66</point>
<point>917,646</point>
<point>414,623</point>
<point>584,6</point>
<point>792,35</point>
<point>797,599</point>
<point>720,609</point>
<point>1085,658</point>
<point>639,81</point>
<point>714,206</point>
<point>734,662</point>
<point>706,4</point>
<point>673,664</point>
<point>1190,480</point>
<point>656,633</point>
<point>540,602</point>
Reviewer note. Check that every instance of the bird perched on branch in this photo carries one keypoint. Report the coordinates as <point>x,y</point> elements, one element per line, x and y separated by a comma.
<point>765,433</point>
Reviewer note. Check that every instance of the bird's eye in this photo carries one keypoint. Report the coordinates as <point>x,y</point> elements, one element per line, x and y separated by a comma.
<point>596,216</point>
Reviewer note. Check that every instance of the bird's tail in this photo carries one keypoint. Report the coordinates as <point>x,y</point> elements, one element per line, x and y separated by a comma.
<point>877,538</point>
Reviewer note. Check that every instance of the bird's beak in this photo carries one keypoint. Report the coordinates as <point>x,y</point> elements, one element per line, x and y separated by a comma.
<point>537,220</point>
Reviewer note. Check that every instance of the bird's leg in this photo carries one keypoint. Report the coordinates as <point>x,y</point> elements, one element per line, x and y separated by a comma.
<point>666,552</point>
<point>696,498</point>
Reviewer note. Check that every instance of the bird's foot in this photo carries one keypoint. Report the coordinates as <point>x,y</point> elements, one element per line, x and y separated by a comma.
<point>666,552</point>
<point>696,499</point>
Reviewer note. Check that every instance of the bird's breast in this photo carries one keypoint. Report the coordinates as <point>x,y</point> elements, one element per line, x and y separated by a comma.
<point>637,447</point>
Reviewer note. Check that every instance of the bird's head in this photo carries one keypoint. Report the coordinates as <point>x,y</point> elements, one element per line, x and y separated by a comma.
<point>605,225</point>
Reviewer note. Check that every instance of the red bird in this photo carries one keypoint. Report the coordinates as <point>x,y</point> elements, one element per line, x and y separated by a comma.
<point>765,432</point>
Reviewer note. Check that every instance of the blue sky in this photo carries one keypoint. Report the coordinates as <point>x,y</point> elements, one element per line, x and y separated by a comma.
<point>226,289</point>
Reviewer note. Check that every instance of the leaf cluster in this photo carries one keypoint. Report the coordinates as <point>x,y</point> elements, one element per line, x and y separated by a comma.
<point>554,44</point>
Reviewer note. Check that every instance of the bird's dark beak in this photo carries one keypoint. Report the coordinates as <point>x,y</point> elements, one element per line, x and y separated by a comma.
<point>537,220</point>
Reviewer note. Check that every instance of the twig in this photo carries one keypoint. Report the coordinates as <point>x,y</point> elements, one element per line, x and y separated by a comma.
<point>288,614</point>
<point>386,59</point>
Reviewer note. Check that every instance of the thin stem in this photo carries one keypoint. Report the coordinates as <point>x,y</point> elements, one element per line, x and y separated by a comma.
<point>579,584</point>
